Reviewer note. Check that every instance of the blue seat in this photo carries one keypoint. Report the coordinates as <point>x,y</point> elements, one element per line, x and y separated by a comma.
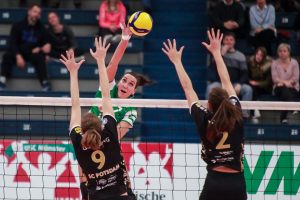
<point>57,70</point>
<point>44,94</point>
<point>136,45</point>
<point>71,17</point>
<point>285,20</point>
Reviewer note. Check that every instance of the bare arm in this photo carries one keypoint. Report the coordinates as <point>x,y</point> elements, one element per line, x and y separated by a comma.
<point>99,55</point>
<point>123,128</point>
<point>119,52</point>
<point>73,68</point>
<point>175,57</point>
<point>215,48</point>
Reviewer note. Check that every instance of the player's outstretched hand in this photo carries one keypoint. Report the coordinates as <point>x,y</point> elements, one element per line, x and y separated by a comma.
<point>101,49</point>
<point>69,61</point>
<point>126,32</point>
<point>215,40</point>
<point>171,51</point>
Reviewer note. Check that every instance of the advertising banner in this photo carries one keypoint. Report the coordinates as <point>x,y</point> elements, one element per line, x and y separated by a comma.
<point>48,169</point>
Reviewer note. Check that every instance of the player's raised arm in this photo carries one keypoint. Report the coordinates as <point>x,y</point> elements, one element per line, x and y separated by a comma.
<point>175,55</point>
<point>119,52</point>
<point>73,68</point>
<point>99,55</point>
<point>214,47</point>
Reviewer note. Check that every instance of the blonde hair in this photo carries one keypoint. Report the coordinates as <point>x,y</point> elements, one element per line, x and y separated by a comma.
<point>284,45</point>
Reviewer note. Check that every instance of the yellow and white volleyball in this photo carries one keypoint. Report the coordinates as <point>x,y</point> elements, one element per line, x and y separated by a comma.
<point>140,23</point>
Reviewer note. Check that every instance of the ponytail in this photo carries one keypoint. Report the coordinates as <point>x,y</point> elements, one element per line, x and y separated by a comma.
<point>91,139</point>
<point>141,79</point>
<point>91,128</point>
<point>226,115</point>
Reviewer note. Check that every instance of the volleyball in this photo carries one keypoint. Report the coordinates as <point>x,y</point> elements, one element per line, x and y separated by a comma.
<point>140,23</point>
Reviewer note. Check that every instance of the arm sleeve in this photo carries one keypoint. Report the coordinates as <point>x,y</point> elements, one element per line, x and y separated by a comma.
<point>75,135</point>
<point>14,39</point>
<point>295,77</point>
<point>253,23</point>
<point>244,78</point>
<point>274,72</point>
<point>123,12</point>
<point>130,117</point>
<point>103,22</point>
<point>44,35</point>
<point>270,18</point>
<point>199,115</point>
<point>71,38</point>
<point>241,17</point>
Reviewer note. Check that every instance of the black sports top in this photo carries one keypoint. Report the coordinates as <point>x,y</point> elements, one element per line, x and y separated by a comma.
<point>228,149</point>
<point>103,167</point>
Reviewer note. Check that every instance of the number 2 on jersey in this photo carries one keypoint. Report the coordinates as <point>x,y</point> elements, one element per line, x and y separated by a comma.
<point>221,144</point>
<point>98,157</point>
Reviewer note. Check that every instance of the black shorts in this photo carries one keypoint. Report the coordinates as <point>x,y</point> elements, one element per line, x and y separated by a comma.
<point>113,198</point>
<point>224,186</point>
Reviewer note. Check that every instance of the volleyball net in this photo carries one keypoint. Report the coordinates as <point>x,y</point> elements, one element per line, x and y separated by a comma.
<point>162,151</point>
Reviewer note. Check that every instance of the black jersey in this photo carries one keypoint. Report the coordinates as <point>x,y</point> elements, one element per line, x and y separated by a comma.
<point>227,150</point>
<point>103,167</point>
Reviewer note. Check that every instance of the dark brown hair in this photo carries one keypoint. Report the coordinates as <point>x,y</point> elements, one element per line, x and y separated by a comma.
<point>91,129</point>
<point>226,115</point>
<point>264,52</point>
<point>141,79</point>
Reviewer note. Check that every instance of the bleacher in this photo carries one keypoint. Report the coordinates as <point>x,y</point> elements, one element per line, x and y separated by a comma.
<point>84,23</point>
<point>185,23</point>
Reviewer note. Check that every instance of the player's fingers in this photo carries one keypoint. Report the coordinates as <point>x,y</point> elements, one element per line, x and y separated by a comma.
<point>81,61</point>
<point>209,35</point>
<point>104,42</point>
<point>107,47</point>
<point>181,49</point>
<point>100,42</point>
<point>174,44</point>
<point>63,57</point>
<point>122,25</point>
<point>205,44</point>
<point>221,37</point>
<point>96,43</point>
<point>166,52</point>
<point>61,60</point>
<point>91,52</point>
<point>169,43</point>
<point>213,33</point>
<point>166,46</point>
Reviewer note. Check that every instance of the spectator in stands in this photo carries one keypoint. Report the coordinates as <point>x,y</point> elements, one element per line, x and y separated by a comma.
<point>237,68</point>
<point>286,5</point>
<point>259,67</point>
<point>285,75</point>
<point>262,22</point>
<point>61,37</point>
<point>28,43</point>
<point>228,16</point>
<point>52,3</point>
<point>111,14</point>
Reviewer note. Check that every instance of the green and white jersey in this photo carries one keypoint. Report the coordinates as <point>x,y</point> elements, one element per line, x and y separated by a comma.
<point>127,114</point>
